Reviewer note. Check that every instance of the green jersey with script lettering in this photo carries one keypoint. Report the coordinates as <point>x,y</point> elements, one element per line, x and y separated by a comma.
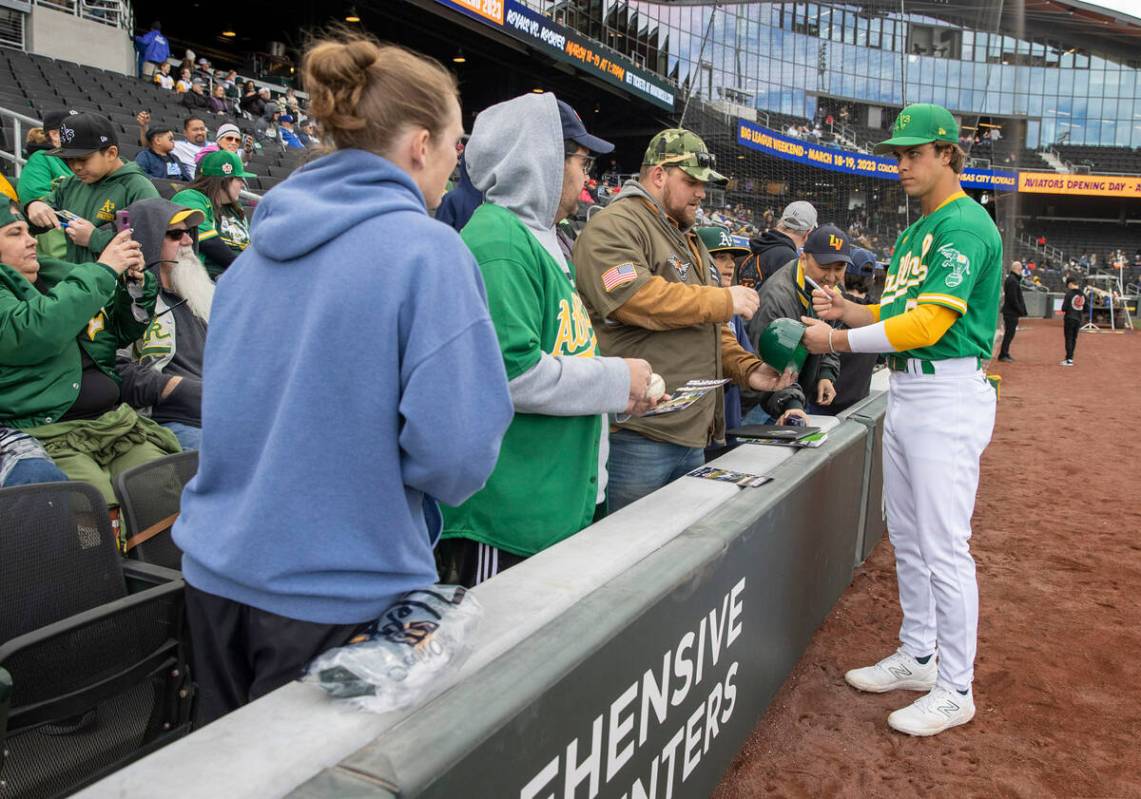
<point>950,257</point>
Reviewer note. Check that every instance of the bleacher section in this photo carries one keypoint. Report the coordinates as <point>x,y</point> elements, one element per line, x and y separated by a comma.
<point>1125,160</point>
<point>1075,238</point>
<point>32,84</point>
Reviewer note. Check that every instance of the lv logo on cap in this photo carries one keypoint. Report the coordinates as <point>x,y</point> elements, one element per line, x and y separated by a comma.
<point>835,242</point>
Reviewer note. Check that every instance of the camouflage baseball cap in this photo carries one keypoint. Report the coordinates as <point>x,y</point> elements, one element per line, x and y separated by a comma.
<point>681,148</point>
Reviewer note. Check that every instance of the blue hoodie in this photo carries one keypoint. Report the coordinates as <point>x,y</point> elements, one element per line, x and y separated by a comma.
<point>352,378</point>
<point>460,203</point>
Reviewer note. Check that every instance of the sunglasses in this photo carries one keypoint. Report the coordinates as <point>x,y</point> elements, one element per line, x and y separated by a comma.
<point>703,159</point>
<point>176,235</point>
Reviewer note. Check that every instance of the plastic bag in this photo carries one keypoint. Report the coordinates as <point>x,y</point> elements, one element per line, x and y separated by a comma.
<point>399,656</point>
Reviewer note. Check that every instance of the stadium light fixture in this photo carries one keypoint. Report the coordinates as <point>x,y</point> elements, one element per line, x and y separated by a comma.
<point>352,16</point>
<point>229,34</point>
<point>458,58</point>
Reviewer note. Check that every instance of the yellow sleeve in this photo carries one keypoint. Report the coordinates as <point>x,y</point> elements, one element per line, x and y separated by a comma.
<point>920,327</point>
<point>874,310</point>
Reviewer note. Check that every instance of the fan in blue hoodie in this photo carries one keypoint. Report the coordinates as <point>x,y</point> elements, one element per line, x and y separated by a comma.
<point>352,379</point>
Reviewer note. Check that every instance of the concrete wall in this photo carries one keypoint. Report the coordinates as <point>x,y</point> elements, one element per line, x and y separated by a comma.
<point>59,35</point>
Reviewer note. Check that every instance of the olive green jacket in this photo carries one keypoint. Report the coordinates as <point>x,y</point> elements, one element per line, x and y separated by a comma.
<point>40,364</point>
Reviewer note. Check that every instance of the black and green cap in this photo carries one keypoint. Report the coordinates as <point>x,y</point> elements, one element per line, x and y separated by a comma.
<point>717,239</point>
<point>685,150</point>
<point>920,123</point>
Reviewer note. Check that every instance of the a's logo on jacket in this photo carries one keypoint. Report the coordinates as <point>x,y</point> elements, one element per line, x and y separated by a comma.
<point>97,323</point>
<point>107,212</point>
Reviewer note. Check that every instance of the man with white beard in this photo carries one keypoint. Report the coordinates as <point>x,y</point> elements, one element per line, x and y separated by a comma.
<point>162,371</point>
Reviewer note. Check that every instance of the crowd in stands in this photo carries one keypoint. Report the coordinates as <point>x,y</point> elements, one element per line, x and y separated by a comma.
<point>376,417</point>
<point>117,296</point>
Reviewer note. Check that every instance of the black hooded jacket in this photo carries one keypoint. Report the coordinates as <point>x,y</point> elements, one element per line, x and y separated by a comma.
<point>145,373</point>
<point>774,249</point>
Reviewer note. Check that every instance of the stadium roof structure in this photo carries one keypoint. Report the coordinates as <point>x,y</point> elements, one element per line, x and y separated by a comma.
<point>1080,24</point>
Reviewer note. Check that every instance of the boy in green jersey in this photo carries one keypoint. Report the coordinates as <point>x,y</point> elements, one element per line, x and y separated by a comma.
<point>937,318</point>
<point>102,185</point>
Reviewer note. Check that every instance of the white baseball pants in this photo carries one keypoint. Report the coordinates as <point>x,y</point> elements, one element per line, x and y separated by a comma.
<point>935,431</point>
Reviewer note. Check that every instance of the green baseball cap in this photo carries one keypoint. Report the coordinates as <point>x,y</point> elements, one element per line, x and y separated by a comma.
<point>684,149</point>
<point>717,239</point>
<point>781,344</point>
<point>223,164</point>
<point>920,123</point>
<point>9,212</point>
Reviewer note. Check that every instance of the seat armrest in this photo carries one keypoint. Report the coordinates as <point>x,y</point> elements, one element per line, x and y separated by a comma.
<point>141,576</point>
<point>117,607</point>
<point>5,704</point>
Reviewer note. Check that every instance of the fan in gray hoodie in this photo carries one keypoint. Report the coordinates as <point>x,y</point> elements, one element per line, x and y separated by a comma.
<point>521,158</point>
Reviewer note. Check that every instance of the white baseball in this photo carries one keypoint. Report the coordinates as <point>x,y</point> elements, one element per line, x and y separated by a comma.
<point>657,387</point>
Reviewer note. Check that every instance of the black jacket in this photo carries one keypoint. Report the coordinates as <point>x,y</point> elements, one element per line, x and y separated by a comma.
<point>193,101</point>
<point>780,298</point>
<point>774,250</point>
<point>1013,304</point>
<point>1074,304</point>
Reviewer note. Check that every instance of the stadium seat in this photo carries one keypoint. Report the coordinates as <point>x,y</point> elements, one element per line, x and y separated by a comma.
<point>167,188</point>
<point>150,496</point>
<point>92,646</point>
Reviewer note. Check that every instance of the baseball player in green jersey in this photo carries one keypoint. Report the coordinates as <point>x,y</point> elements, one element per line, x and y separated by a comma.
<point>937,317</point>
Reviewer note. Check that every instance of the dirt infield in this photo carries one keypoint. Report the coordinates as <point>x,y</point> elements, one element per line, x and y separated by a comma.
<point>1057,539</point>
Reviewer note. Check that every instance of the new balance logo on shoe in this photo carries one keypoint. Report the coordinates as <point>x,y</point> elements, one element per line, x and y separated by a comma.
<point>948,709</point>
<point>899,672</point>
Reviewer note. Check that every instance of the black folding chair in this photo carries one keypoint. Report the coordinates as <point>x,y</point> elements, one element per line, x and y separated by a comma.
<point>93,665</point>
<point>150,496</point>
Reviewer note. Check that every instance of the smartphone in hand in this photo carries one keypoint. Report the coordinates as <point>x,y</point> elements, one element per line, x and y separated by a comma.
<point>122,220</point>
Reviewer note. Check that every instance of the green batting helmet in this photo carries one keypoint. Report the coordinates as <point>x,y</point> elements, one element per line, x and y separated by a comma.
<point>781,345</point>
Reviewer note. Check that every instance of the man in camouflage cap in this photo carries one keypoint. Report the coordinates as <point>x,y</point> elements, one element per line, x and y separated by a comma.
<point>653,292</point>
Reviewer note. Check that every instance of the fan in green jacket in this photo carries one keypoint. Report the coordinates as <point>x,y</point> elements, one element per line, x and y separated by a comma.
<point>224,232</point>
<point>40,175</point>
<point>102,184</point>
<point>60,327</point>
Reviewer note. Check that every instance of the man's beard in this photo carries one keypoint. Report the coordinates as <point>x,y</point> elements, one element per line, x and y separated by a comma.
<point>189,280</point>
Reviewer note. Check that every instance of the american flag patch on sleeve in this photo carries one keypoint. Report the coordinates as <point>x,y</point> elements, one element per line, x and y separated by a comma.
<point>619,275</point>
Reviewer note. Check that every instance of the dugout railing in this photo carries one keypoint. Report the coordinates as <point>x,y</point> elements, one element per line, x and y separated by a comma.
<point>636,654</point>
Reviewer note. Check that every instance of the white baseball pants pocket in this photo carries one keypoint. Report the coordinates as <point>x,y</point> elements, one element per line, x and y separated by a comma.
<point>935,431</point>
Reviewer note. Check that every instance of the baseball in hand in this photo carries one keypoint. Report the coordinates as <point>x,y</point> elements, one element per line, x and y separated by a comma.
<point>657,387</point>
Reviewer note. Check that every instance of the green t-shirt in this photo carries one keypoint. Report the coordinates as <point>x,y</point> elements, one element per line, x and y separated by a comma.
<point>545,483</point>
<point>951,257</point>
<point>233,228</point>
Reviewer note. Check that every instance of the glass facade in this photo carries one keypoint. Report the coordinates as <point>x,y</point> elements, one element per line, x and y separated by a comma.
<point>782,57</point>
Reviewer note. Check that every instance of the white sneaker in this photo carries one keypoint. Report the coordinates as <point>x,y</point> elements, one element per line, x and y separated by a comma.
<point>939,710</point>
<point>898,671</point>
<point>1066,362</point>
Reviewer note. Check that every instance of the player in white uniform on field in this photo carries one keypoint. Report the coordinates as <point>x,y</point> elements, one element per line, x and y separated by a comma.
<point>937,317</point>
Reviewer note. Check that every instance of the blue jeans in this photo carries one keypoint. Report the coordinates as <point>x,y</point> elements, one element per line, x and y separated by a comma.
<point>34,470</point>
<point>757,415</point>
<point>639,466</point>
<point>188,436</point>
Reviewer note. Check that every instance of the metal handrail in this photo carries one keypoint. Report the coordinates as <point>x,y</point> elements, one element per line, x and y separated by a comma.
<point>15,157</point>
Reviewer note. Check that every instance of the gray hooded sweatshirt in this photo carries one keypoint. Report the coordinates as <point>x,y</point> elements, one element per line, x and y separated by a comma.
<point>515,159</point>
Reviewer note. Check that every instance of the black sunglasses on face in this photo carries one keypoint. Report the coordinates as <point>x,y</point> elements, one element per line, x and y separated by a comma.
<point>176,235</point>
